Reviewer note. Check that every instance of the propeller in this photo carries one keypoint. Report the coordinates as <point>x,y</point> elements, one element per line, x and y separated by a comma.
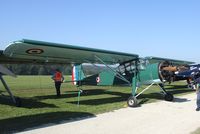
<point>167,71</point>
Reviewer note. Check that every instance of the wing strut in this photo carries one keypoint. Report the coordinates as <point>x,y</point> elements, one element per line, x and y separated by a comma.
<point>4,70</point>
<point>16,101</point>
<point>118,74</point>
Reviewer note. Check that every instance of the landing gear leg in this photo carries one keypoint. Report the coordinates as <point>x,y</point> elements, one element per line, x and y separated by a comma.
<point>132,100</point>
<point>167,96</point>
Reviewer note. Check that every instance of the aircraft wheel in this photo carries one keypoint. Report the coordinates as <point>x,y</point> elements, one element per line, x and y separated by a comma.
<point>169,97</point>
<point>132,101</point>
<point>18,102</point>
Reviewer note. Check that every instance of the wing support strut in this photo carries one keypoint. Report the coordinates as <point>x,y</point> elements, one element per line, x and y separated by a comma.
<point>144,90</point>
<point>118,74</point>
<point>15,100</point>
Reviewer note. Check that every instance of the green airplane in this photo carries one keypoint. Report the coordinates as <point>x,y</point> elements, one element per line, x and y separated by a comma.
<point>119,68</point>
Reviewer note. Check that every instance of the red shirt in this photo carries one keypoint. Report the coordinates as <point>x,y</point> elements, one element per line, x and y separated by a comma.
<point>58,76</point>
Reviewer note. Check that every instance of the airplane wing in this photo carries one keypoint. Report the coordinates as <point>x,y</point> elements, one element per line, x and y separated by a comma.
<point>31,51</point>
<point>152,59</point>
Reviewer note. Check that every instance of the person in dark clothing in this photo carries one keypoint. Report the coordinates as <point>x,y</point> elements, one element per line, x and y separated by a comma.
<point>197,83</point>
<point>58,79</point>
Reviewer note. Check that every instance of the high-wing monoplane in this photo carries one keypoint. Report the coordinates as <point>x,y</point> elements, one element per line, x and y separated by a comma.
<point>121,68</point>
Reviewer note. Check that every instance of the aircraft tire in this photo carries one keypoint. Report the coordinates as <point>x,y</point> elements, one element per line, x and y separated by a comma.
<point>18,102</point>
<point>169,97</point>
<point>132,101</point>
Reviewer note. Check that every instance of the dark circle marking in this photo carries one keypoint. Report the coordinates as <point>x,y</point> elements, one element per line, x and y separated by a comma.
<point>34,51</point>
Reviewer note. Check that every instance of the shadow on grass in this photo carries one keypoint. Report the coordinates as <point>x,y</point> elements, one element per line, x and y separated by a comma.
<point>176,87</point>
<point>158,95</point>
<point>100,101</point>
<point>147,97</point>
<point>119,97</point>
<point>1,92</point>
<point>67,95</point>
<point>113,98</point>
<point>19,124</point>
<point>26,103</point>
<point>71,94</point>
<point>34,102</point>
<point>90,92</point>
<point>179,91</point>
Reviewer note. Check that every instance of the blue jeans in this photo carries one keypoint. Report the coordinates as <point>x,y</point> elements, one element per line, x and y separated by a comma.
<point>198,98</point>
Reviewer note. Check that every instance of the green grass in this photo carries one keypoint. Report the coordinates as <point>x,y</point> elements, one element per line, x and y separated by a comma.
<point>40,106</point>
<point>196,131</point>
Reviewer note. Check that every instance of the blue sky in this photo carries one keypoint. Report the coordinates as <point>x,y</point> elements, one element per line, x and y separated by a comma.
<point>162,28</point>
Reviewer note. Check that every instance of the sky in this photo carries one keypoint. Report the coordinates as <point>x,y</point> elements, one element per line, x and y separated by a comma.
<point>161,28</point>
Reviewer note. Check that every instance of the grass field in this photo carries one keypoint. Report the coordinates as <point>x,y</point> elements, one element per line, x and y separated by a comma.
<point>196,131</point>
<point>40,106</point>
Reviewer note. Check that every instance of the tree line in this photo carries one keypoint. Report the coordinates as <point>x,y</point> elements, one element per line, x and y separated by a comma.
<point>48,69</point>
<point>31,69</point>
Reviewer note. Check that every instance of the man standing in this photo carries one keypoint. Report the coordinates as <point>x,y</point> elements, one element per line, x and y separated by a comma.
<point>58,79</point>
<point>197,83</point>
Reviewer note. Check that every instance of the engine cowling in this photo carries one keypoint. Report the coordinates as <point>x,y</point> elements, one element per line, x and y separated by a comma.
<point>167,71</point>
